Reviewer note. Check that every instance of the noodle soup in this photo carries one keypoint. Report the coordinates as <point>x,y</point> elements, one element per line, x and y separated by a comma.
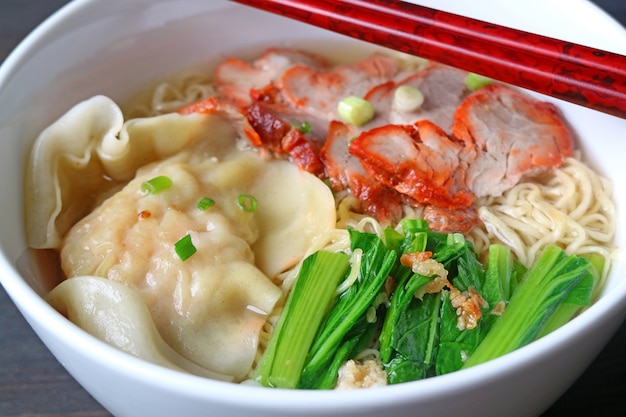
<point>214,196</point>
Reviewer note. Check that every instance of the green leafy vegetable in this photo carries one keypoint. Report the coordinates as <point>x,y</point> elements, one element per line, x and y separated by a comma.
<point>416,340</point>
<point>538,296</point>
<point>421,336</point>
<point>338,336</point>
<point>313,291</point>
<point>432,305</point>
<point>457,342</point>
<point>580,296</point>
<point>499,276</point>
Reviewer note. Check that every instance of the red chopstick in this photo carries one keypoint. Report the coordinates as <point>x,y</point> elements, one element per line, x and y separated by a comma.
<point>586,76</point>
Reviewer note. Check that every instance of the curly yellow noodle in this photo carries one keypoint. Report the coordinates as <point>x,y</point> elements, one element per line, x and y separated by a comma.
<point>571,207</point>
<point>169,96</point>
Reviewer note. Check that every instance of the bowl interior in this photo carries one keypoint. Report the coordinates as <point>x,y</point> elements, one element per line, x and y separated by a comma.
<point>117,47</point>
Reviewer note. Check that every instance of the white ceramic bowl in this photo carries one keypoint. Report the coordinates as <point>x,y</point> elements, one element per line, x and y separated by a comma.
<point>113,47</point>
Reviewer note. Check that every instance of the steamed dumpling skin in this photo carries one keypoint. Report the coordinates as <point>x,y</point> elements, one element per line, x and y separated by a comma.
<point>116,314</point>
<point>211,307</point>
<point>91,149</point>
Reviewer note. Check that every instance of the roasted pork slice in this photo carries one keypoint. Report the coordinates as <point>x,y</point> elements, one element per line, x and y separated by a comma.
<point>443,88</point>
<point>339,164</point>
<point>303,152</point>
<point>511,135</point>
<point>235,78</point>
<point>282,137</point>
<point>318,93</point>
<point>419,161</point>
<point>270,127</point>
<point>213,105</point>
<point>445,220</point>
<point>345,171</point>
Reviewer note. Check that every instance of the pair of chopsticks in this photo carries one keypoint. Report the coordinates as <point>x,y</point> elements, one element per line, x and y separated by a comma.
<point>586,76</point>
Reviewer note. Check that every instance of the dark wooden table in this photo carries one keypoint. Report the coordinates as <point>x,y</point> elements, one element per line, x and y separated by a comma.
<point>33,383</point>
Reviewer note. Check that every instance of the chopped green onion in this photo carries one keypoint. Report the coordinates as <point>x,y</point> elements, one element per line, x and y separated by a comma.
<point>475,81</point>
<point>355,110</point>
<point>304,127</point>
<point>407,99</point>
<point>247,202</point>
<point>184,248</point>
<point>156,184</point>
<point>205,203</point>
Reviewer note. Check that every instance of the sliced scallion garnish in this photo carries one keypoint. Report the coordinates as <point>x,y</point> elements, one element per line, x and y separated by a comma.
<point>407,99</point>
<point>205,203</point>
<point>156,184</point>
<point>355,110</point>
<point>475,81</point>
<point>247,202</point>
<point>304,127</point>
<point>185,248</point>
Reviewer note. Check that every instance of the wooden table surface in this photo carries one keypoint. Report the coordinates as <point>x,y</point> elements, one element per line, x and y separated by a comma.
<point>33,383</point>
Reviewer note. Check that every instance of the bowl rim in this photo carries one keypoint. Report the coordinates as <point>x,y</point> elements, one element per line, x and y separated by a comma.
<point>32,306</point>
<point>254,396</point>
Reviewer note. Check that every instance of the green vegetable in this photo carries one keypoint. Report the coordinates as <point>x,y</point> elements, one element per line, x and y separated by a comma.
<point>247,202</point>
<point>156,184</point>
<point>185,248</point>
<point>580,296</point>
<point>420,337</point>
<point>416,340</point>
<point>355,110</point>
<point>460,259</point>
<point>205,203</point>
<point>314,289</point>
<point>499,275</point>
<point>456,344</point>
<point>416,319</point>
<point>341,334</point>
<point>475,81</point>
<point>548,283</point>
<point>414,240</point>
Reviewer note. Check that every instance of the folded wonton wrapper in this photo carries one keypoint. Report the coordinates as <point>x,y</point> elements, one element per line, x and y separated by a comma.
<point>117,315</point>
<point>86,149</point>
<point>209,309</point>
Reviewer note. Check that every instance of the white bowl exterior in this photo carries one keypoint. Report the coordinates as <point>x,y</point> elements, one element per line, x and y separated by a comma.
<point>113,48</point>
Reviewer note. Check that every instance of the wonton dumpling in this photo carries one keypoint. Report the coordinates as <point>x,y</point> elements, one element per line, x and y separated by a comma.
<point>116,314</point>
<point>211,307</point>
<point>90,149</point>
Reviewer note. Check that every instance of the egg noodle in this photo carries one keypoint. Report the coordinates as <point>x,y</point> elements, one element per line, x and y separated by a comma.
<point>570,207</point>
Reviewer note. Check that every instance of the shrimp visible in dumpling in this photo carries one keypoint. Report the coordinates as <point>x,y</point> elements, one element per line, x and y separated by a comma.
<point>211,307</point>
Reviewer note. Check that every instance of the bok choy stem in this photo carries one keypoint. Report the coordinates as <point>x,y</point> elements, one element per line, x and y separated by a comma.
<point>281,365</point>
<point>547,284</point>
<point>350,309</point>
